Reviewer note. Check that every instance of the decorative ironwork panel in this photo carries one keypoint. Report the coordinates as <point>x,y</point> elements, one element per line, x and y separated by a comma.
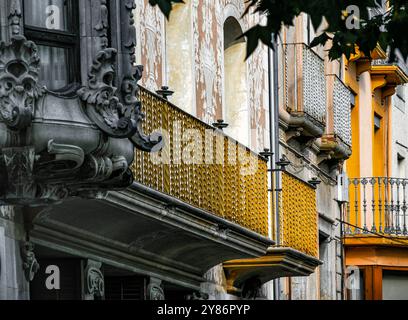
<point>314,85</point>
<point>298,216</point>
<point>342,111</point>
<point>203,167</point>
<point>304,78</point>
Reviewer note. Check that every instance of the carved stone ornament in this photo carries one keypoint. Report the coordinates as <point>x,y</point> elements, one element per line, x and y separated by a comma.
<point>55,146</point>
<point>30,264</point>
<point>155,290</point>
<point>94,281</point>
<point>197,296</point>
<point>19,68</point>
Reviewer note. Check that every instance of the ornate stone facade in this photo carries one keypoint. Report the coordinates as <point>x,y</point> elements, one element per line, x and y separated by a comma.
<point>49,151</point>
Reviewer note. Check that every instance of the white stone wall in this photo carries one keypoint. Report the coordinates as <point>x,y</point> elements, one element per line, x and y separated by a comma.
<point>399,132</point>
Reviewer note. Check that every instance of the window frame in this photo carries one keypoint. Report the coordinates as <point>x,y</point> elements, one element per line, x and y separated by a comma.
<point>69,40</point>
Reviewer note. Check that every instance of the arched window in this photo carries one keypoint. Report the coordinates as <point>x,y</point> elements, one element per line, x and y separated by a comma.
<point>179,55</point>
<point>236,110</point>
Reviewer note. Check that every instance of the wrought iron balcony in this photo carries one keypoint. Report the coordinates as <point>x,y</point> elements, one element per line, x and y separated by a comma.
<point>342,111</point>
<point>377,205</point>
<point>395,72</point>
<point>224,177</point>
<point>386,62</point>
<point>336,143</point>
<point>304,93</point>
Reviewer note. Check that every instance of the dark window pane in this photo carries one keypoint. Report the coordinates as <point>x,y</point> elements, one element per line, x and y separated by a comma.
<point>48,14</point>
<point>54,67</point>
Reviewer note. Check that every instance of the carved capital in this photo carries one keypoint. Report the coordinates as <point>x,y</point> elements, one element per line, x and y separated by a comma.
<point>30,263</point>
<point>94,281</point>
<point>7,212</point>
<point>17,173</point>
<point>155,290</point>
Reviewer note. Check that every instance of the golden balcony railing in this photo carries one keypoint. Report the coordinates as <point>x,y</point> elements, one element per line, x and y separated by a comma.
<point>304,82</point>
<point>298,216</point>
<point>296,253</point>
<point>203,167</point>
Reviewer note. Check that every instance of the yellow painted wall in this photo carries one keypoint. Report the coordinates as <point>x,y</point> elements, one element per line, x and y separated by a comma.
<point>353,163</point>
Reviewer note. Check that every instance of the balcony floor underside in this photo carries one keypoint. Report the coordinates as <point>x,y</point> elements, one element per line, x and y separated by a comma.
<point>362,240</point>
<point>370,250</point>
<point>139,231</point>
<point>278,262</point>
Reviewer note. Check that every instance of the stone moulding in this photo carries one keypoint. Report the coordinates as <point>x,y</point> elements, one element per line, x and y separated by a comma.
<point>55,146</point>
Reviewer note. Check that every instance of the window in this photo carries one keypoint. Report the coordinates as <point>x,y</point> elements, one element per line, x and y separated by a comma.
<point>125,288</point>
<point>236,112</point>
<point>53,25</point>
<point>353,99</point>
<point>395,285</point>
<point>179,46</point>
<point>401,93</point>
<point>377,122</point>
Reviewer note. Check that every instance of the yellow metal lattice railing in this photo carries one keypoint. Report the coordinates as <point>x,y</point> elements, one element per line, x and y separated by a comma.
<point>298,216</point>
<point>203,167</point>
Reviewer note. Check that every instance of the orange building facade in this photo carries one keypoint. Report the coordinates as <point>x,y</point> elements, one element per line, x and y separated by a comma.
<point>375,228</point>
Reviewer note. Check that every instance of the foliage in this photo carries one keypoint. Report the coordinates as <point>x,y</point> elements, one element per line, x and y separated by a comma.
<point>387,29</point>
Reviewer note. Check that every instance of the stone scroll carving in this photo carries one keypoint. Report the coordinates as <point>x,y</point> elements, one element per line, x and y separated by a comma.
<point>118,116</point>
<point>103,105</point>
<point>19,89</point>
<point>53,147</point>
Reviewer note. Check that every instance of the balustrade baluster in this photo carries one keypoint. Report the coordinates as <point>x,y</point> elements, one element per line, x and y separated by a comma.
<point>392,209</point>
<point>380,227</point>
<point>372,182</point>
<point>347,227</point>
<point>364,183</point>
<point>386,207</point>
<point>404,207</point>
<point>397,209</point>
<point>356,183</point>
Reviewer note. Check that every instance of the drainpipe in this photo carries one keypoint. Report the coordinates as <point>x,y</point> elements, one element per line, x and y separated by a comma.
<point>274,143</point>
<point>276,150</point>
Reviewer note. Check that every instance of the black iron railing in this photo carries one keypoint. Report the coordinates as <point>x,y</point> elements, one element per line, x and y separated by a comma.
<point>377,205</point>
